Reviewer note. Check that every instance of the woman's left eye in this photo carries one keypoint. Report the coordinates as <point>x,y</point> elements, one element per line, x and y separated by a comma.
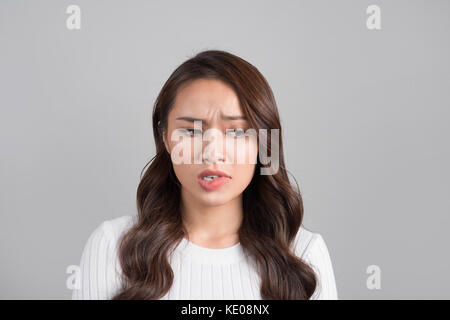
<point>236,132</point>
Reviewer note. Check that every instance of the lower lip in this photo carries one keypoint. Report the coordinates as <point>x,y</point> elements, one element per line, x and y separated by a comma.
<point>213,185</point>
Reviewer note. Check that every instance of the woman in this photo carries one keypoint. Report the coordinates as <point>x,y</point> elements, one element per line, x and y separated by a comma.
<point>210,226</point>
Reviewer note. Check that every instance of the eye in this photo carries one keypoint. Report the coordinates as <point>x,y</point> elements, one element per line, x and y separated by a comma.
<point>237,133</point>
<point>191,132</point>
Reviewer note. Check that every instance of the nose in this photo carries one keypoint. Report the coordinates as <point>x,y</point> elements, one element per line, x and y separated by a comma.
<point>213,150</point>
<point>213,157</point>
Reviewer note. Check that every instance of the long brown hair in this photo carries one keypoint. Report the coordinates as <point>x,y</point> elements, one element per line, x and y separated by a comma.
<point>273,208</point>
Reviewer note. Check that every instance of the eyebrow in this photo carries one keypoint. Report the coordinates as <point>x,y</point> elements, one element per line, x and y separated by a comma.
<point>224,117</point>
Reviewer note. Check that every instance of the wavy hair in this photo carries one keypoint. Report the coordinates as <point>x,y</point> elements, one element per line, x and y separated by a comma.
<point>272,207</point>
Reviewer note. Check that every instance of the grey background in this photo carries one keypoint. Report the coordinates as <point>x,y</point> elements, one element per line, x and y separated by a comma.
<point>365,117</point>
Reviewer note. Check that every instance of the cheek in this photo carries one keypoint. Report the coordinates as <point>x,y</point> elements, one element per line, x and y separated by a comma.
<point>245,171</point>
<point>241,152</point>
<point>185,174</point>
<point>243,174</point>
<point>251,154</point>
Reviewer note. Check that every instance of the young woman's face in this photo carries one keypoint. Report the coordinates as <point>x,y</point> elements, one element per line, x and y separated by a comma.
<point>217,106</point>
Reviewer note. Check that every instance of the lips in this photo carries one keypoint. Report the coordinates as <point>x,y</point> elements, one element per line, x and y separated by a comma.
<point>209,172</point>
<point>211,180</point>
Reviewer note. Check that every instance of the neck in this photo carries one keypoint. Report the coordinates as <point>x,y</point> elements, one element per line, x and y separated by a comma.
<point>207,224</point>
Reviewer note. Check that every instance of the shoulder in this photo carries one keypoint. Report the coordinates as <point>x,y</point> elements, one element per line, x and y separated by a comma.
<point>116,227</point>
<point>310,245</point>
<point>107,234</point>
<point>305,241</point>
<point>100,270</point>
<point>312,249</point>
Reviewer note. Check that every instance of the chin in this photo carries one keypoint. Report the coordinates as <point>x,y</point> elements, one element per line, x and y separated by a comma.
<point>214,198</point>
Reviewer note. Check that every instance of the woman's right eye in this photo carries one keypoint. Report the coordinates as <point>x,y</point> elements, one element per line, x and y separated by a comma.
<point>191,132</point>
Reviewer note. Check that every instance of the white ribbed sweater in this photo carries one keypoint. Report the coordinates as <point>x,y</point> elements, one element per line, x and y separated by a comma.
<point>199,272</point>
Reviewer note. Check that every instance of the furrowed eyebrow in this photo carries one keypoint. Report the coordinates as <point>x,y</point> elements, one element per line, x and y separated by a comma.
<point>224,117</point>
<point>233,117</point>
<point>190,119</point>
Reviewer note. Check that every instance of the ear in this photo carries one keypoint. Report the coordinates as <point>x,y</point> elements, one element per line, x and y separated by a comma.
<point>164,136</point>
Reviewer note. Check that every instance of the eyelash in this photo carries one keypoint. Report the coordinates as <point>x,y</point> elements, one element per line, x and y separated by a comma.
<point>191,132</point>
<point>242,131</point>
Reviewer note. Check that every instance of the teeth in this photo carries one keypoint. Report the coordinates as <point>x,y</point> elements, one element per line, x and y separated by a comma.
<point>209,178</point>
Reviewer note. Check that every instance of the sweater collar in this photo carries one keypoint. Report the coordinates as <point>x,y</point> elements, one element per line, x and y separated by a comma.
<point>203,255</point>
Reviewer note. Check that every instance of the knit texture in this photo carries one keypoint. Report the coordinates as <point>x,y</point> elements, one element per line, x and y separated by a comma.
<point>199,272</point>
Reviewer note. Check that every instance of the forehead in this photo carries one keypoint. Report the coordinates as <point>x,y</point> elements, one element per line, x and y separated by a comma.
<point>206,98</point>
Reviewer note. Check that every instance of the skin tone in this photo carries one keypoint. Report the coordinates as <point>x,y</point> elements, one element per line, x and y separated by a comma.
<point>211,218</point>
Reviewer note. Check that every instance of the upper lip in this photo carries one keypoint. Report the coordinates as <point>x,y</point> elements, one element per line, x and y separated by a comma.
<point>209,172</point>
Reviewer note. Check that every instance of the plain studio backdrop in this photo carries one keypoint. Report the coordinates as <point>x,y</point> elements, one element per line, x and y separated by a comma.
<point>365,115</point>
